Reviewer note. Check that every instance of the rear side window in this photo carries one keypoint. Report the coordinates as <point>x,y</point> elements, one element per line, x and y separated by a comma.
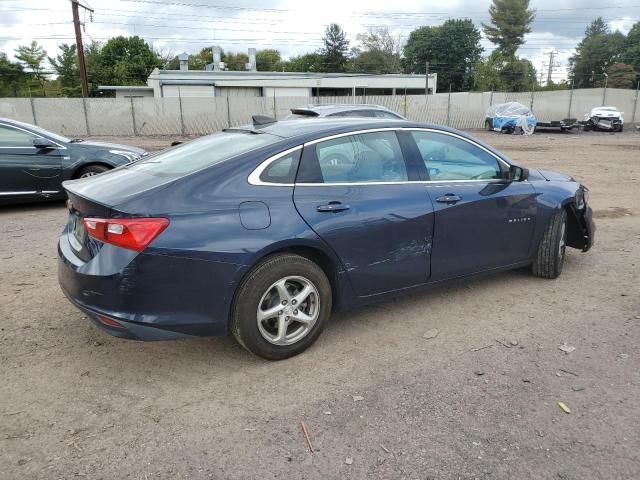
<point>203,152</point>
<point>282,170</point>
<point>368,157</point>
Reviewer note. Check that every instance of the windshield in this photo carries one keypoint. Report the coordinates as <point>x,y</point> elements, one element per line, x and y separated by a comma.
<point>43,132</point>
<point>203,152</point>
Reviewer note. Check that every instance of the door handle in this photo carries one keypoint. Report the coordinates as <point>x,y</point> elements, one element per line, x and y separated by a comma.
<point>449,198</point>
<point>333,207</point>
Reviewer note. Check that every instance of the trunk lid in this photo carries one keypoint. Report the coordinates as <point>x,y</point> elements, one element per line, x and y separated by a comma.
<point>104,196</point>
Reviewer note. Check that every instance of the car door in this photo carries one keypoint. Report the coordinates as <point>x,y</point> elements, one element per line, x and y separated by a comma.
<point>25,169</point>
<point>354,191</point>
<point>482,220</point>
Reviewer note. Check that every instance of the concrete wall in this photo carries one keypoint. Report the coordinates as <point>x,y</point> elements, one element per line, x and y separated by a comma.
<point>199,115</point>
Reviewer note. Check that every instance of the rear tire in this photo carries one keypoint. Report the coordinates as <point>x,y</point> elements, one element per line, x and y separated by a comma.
<point>91,170</point>
<point>281,307</point>
<point>488,125</point>
<point>551,251</point>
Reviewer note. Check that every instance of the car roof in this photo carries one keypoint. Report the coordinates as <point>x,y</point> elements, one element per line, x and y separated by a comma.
<point>325,126</point>
<point>329,109</point>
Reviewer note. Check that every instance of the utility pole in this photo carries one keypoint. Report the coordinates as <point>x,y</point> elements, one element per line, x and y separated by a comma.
<point>426,80</point>
<point>552,54</point>
<point>79,46</point>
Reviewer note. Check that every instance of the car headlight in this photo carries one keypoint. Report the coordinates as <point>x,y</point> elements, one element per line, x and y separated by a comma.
<point>130,156</point>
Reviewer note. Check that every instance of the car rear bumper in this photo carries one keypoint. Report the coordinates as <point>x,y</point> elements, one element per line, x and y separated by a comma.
<point>151,297</point>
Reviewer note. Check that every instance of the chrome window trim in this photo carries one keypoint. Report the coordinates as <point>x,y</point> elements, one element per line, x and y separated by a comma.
<point>254,177</point>
<point>19,193</point>
<point>60,147</point>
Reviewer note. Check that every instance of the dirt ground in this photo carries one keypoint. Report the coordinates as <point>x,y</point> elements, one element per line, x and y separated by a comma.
<point>479,400</point>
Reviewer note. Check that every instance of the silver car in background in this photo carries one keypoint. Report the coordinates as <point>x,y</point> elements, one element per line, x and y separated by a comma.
<point>343,110</point>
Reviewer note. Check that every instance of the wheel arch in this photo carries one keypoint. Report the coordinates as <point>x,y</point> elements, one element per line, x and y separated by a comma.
<point>326,260</point>
<point>97,163</point>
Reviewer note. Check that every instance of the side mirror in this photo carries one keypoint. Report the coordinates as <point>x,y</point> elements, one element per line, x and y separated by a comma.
<point>44,143</point>
<point>518,174</point>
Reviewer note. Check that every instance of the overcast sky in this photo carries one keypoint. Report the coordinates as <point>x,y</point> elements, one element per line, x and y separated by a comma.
<point>293,27</point>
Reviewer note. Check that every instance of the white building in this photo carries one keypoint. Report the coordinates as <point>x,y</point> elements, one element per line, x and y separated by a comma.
<point>209,83</point>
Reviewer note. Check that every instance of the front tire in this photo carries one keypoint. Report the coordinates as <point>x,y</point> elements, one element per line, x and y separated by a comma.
<point>91,170</point>
<point>281,307</point>
<point>552,249</point>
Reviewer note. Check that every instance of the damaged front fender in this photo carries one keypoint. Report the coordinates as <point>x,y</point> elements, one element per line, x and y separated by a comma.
<point>580,227</point>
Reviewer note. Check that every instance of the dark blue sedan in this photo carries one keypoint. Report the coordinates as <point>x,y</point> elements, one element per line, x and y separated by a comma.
<point>263,231</point>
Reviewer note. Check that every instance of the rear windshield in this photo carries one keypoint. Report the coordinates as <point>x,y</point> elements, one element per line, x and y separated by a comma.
<point>201,153</point>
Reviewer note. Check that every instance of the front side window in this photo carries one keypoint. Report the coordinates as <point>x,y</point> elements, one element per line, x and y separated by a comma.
<point>12,137</point>
<point>367,157</point>
<point>450,158</point>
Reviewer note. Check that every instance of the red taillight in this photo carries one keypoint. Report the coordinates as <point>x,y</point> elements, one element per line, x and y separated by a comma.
<point>109,322</point>
<point>132,233</point>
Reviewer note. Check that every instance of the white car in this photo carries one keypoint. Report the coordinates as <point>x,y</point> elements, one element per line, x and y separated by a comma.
<point>604,118</point>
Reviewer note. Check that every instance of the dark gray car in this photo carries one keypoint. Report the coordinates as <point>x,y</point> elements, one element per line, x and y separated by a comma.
<point>343,110</point>
<point>34,162</point>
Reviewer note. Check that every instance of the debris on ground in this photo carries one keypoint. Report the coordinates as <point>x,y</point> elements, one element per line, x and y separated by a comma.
<point>357,398</point>
<point>477,349</point>
<point>566,348</point>
<point>564,407</point>
<point>577,389</point>
<point>478,372</point>
<point>348,461</point>
<point>385,449</point>
<point>431,334</point>
<point>327,412</point>
<point>305,431</point>
<point>569,372</point>
<point>623,355</point>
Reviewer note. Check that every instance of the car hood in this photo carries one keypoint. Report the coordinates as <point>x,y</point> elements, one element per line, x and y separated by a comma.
<point>552,176</point>
<point>108,146</point>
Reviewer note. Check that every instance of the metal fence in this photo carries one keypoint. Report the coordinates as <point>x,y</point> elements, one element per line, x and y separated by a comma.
<point>196,116</point>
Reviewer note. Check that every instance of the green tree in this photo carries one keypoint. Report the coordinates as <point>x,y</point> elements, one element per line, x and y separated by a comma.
<point>334,52</point>
<point>452,49</point>
<point>378,52</point>
<point>96,72</point>
<point>598,50</point>
<point>631,54</point>
<point>235,61</point>
<point>505,73</point>
<point>309,62</point>
<point>13,79</point>
<point>621,75</point>
<point>127,61</point>
<point>66,66</point>
<point>268,60</point>
<point>510,22</point>
<point>32,56</point>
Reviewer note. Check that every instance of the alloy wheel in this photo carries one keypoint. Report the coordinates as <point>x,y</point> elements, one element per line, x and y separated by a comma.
<point>288,310</point>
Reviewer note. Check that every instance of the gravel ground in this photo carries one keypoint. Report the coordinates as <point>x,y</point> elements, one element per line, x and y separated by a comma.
<point>478,400</point>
